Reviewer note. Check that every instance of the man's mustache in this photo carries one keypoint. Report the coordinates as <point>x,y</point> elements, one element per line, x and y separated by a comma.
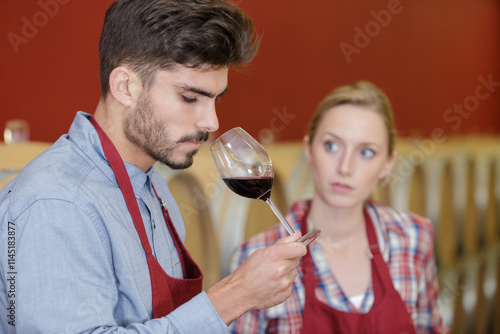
<point>199,136</point>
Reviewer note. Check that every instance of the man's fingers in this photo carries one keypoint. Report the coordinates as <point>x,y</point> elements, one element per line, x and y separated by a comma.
<point>288,247</point>
<point>291,238</point>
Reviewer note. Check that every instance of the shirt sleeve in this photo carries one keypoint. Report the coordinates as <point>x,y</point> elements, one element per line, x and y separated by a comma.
<point>65,278</point>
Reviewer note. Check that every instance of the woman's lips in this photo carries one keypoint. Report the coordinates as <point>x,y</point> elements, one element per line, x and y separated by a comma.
<point>341,187</point>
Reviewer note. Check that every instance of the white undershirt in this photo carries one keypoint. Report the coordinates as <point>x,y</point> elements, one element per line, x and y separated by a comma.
<point>357,300</point>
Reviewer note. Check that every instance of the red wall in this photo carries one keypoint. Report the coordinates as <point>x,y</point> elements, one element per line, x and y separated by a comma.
<point>431,58</point>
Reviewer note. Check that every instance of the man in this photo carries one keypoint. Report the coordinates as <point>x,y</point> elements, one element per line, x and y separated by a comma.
<point>93,234</point>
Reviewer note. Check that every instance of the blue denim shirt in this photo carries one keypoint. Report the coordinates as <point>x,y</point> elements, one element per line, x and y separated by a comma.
<point>71,260</point>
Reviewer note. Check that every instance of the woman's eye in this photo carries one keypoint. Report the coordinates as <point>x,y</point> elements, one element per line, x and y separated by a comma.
<point>367,153</point>
<point>189,99</point>
<point>331,146</point>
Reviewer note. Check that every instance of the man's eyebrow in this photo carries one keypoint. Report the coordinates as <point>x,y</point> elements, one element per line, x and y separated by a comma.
<point>200,91</point>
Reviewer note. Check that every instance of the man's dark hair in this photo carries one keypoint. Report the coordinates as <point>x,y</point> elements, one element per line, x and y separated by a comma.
<point>149,35</point>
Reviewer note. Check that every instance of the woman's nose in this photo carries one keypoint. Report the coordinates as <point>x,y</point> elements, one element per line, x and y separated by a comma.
<point>346,163</point>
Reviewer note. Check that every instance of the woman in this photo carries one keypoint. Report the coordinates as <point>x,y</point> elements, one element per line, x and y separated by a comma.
<point>372,270</point>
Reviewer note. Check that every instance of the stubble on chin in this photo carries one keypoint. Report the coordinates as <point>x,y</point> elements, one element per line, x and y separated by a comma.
<point>186,163</point>
<point>148,133</point>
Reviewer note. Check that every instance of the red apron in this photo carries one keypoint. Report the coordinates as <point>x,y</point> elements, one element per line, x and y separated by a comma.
<point>168,293</point>
<point>388,314</point>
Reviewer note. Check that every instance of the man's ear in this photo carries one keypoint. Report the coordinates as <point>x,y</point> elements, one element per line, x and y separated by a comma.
<point>124,85</point>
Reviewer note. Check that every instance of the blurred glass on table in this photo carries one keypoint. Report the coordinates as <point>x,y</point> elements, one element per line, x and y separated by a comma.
<point>16,131</point>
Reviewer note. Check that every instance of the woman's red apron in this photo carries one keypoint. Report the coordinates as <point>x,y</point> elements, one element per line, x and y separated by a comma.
<point>388,314</point>
<point>168,293</point>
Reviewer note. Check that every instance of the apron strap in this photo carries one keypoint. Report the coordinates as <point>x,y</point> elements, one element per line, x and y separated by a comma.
<point>171,229</point>
<point>167,292</point>
<point>123,179</point>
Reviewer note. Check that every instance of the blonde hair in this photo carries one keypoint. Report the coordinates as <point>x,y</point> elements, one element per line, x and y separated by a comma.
<point>359,93</point>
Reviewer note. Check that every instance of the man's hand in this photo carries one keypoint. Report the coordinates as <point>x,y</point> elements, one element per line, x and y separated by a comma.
<point>262,281</point>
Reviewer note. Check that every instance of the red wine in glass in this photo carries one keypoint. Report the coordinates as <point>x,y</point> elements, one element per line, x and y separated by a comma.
<point>247,170</point>
<point>258,188</point>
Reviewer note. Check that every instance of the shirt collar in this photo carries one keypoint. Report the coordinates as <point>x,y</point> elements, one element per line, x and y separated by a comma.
<point>389,220</point>
<point>84,135</point>
<point>386,217</point>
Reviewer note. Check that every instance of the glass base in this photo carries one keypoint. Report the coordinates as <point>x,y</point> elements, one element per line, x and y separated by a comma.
<point>310,237</point>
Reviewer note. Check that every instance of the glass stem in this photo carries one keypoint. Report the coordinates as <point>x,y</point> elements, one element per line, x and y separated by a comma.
<point>280,216</point>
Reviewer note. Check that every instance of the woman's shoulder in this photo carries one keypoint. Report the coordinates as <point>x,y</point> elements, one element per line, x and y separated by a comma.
<point>403,220</point>
<point>405,228</point>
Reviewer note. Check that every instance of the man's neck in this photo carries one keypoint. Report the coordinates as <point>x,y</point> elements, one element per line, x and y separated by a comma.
<point>109,117</point>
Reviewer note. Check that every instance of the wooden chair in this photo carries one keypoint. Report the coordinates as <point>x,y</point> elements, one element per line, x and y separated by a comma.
<point>461,184</point>
<point>439,207</point>
<point>492,214</point>
<point>491,290</point>
<point>401,183</point>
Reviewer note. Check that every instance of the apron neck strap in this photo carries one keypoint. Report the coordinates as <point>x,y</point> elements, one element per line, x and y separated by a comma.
<point>373,247</point>
<point>125,185</point>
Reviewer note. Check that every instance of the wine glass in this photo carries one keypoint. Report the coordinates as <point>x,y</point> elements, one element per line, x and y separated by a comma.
<point>247,169</point>
<point>16,131</point>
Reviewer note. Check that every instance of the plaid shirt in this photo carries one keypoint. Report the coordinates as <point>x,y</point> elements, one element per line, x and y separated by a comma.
<point>406,241</point>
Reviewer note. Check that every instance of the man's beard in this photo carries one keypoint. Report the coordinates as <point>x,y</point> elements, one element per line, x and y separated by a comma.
<point>149,134</point>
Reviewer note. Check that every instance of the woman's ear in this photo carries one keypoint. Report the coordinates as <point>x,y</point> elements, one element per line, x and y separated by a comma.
<point>389,164</point>
<point>307,148</point>
<point>123,85</point>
